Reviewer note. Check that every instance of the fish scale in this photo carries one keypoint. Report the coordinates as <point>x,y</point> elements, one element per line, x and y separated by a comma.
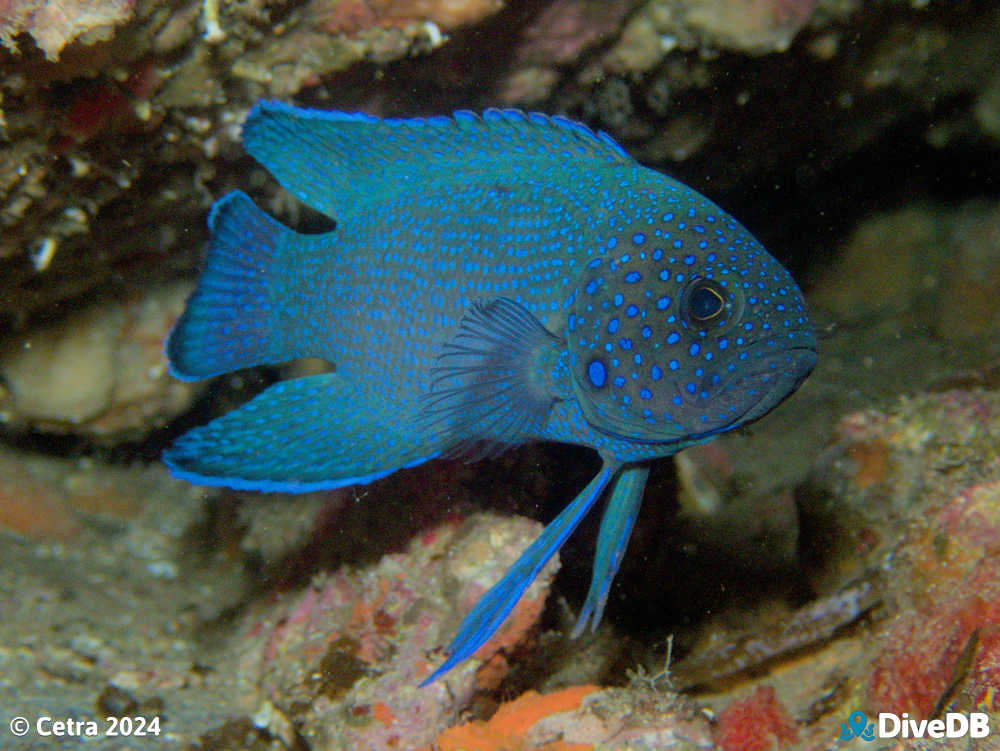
<point>491,280</point>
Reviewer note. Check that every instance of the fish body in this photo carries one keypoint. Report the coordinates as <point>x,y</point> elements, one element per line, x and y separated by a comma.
<point>491,280</point>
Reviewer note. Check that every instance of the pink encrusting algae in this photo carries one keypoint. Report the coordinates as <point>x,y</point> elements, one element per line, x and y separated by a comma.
<point>357,642</point>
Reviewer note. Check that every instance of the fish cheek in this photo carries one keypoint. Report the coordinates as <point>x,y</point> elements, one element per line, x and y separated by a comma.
<point>610,345</point>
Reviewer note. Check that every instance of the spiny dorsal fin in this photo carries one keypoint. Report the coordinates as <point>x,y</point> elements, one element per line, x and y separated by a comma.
<point>340,162</point>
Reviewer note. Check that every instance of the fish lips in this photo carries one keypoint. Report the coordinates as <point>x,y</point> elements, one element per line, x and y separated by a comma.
<point>765,388</point>
<point>744,397</point>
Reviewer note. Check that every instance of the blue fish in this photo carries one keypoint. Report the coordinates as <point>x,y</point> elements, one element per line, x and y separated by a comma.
<point>491,280</point>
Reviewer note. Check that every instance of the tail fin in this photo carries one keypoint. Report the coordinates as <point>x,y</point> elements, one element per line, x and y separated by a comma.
<point>227,323</point>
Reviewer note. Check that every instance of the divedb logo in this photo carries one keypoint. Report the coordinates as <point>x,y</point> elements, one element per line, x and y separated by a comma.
<point>889,725</point>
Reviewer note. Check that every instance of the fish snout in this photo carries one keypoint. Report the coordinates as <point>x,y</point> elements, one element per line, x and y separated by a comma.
<point>776,378</point>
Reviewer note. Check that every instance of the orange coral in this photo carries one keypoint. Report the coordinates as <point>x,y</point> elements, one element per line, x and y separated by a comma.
<point>382,713</point>
<point>507,729</point>
<point>512,632</point>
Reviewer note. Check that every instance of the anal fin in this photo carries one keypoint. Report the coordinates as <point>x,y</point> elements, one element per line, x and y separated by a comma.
<point>309,433</point>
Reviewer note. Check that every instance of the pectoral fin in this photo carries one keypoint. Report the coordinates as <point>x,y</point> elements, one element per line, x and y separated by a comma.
<point>491,386</point>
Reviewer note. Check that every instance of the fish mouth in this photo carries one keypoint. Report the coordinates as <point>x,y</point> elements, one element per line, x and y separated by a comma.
<point>736,401</point>
<point>751,396</point>
<point>745,397</point>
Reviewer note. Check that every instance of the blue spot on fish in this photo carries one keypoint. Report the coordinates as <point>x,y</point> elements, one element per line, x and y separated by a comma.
<point>597,372</point>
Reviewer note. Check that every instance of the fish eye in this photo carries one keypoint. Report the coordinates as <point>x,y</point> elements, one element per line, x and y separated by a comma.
<point>705,303</point>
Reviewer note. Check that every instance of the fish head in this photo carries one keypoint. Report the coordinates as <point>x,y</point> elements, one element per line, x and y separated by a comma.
<point>686,333</point>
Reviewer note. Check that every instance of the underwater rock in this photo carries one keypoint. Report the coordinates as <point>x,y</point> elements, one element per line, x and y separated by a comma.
<point>53,25</point>
<point>31,505</point>
<point>100,372</point>
<point>107,173</point>
<point>880,267</point>
<point>777,636</point>
<point>752,26</point>
<point>277,526</point>
<point>914,492</point>
<point>882,464</point>
<point>353,16</point>
<point>564,29</point>
<point>55,499</point>
<point>946,576</point>
<point>936,266</point>
<point>562,33</point>
<point>899,523</point>
<point>757,26</point>
<point>342,660</point>
<point>886,469</point>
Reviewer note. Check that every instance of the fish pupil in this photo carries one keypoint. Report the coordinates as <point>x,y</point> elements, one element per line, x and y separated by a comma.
<point>705,303</point>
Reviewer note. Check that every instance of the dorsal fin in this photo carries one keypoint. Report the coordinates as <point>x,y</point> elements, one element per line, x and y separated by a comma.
<point>339,162</point>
